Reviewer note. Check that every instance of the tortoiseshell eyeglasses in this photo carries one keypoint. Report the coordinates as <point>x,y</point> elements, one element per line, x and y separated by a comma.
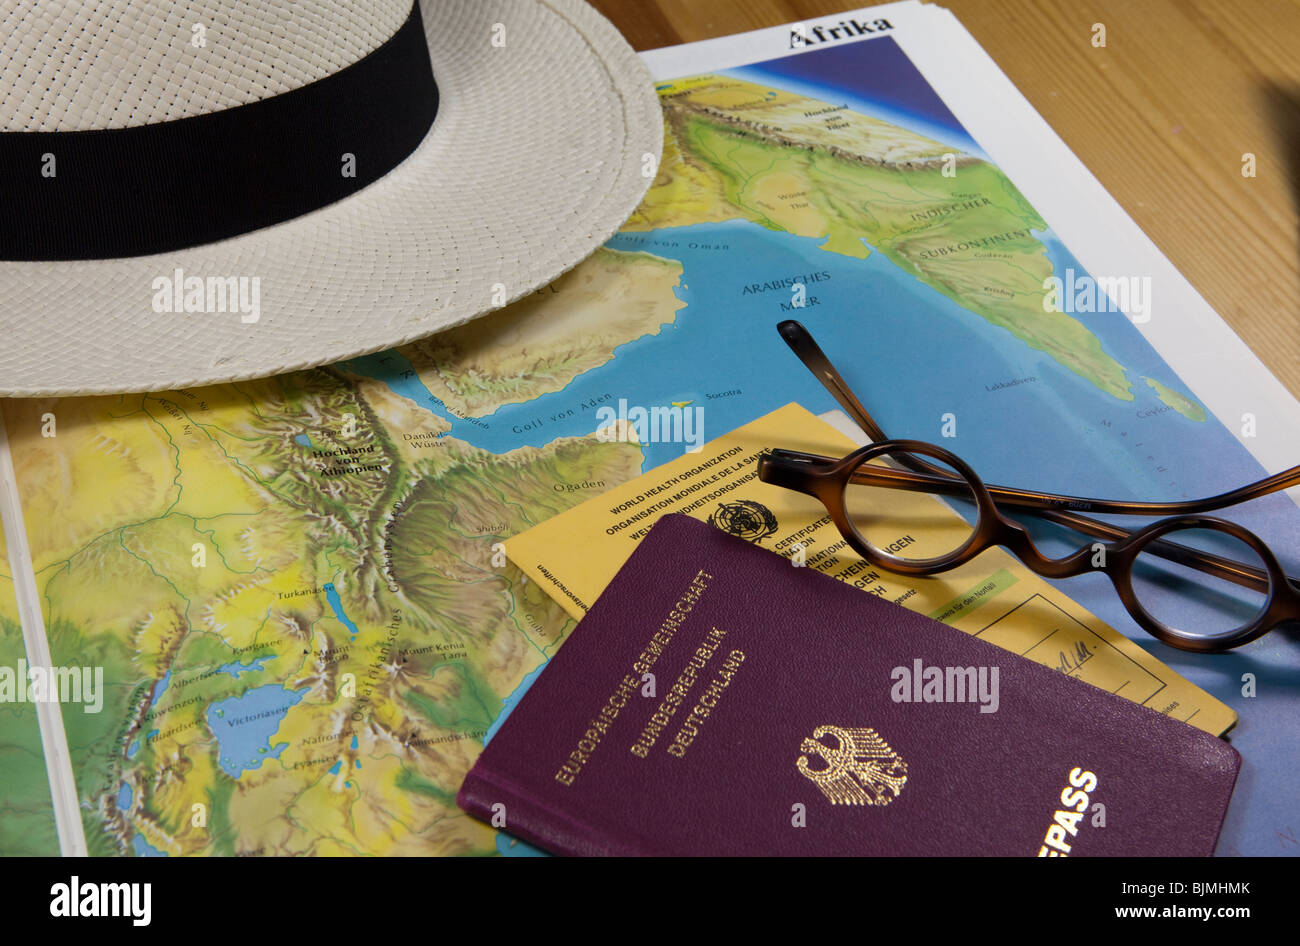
<point>1221,583</point>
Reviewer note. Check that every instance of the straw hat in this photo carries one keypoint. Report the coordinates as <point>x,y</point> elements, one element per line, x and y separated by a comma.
<point>198,191</point>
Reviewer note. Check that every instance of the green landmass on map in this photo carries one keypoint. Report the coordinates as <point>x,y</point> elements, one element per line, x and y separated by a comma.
<point>736,150</point>
<point>535,347</point>
<point>1178,401</point>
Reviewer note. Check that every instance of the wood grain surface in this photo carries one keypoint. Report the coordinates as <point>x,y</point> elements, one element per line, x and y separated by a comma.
<point>1162,115</point>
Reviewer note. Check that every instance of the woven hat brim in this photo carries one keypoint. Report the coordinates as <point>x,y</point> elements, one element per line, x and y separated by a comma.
<point>536,157</point>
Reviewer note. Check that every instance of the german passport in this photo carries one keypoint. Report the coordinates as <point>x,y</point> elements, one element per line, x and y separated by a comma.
<point>718,700</point>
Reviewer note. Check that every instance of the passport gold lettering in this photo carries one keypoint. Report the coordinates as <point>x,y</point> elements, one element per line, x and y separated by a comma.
<point>1065,822</point>
<point>598,727</point>
<point>691,727</point>
<point>672,700</point>
<point>676,617</point>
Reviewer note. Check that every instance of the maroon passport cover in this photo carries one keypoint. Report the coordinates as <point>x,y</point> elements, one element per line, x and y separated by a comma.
<point>777,726</point>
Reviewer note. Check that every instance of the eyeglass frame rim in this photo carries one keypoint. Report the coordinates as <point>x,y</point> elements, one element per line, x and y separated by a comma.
<point>810,354</point>
<point>828,480</point>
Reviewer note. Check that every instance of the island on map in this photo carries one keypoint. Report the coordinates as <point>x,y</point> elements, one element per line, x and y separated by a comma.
<point>1179,402</point>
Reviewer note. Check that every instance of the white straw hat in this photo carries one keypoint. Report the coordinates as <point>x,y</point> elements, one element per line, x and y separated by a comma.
<point>196,191</point>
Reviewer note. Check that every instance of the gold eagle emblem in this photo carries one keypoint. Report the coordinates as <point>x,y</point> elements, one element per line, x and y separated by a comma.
<point>860,768</point>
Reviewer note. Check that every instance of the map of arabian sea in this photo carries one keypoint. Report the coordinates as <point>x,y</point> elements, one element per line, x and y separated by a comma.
<point>298,589</point>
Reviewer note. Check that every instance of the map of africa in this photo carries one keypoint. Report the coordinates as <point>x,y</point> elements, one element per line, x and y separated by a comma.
<point>298,589</point>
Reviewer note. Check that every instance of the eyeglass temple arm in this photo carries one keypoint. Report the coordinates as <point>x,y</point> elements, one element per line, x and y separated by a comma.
<point>1046,505</point>
<point>790,469</point>
<point>1031,499</point>
<point>814,359</point>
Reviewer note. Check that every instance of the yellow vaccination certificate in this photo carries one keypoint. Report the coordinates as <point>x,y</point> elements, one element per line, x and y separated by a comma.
<point>575,554</point>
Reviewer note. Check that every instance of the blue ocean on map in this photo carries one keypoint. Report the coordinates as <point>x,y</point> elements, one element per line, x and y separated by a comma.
<point>910,353</point>
<point>913,356</point>
<point>245,724</point>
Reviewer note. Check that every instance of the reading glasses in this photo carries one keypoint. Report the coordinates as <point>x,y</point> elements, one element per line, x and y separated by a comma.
<point>1219,581</point>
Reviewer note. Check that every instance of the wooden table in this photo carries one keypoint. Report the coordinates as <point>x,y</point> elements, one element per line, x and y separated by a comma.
<point>1162,116</point>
